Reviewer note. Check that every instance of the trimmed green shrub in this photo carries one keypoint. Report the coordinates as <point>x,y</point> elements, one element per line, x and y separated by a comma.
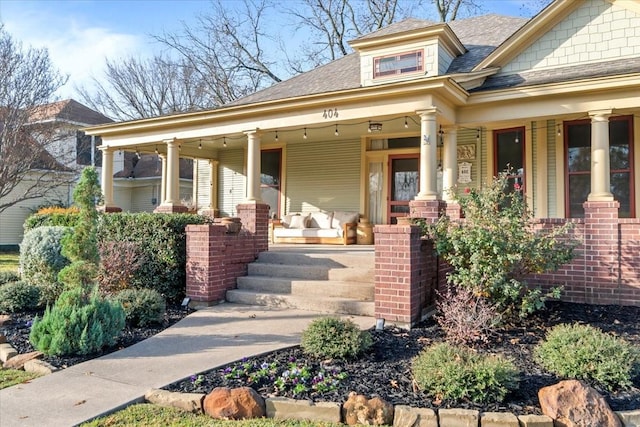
<point>8,277</point>
<point>448,372</point>
<point>77,324</point>
<point>142,306</point>
<point>586,353</point>
<point>18,296</point>
<point>37,220</point>
<point>41,260</point>
<point>331,337</point>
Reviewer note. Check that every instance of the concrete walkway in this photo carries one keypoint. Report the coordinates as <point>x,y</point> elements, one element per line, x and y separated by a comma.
<point>203,340</point>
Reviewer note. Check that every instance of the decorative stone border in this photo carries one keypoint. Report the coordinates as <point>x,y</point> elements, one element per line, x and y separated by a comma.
<point>404,416</point>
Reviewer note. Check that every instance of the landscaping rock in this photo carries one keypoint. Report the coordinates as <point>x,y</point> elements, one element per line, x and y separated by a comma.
<point>282,408</point>
<point>630,418</point>
<point>7,352</point>
<point>574,404</point>
<point>360,410</point>
<point>18,361</point>
<point>535,421</point>
<point>498,419</point>
<point>407,416</point>
<point>189,402</point>
<point>458,417</point>
<point>40,367</point>
<point>4,318</point>
<point>234,404</point>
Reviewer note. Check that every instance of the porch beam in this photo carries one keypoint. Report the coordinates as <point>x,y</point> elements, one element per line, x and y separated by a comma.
<point>428,155</point>
<point>600,169</point>
<point>253,167</point>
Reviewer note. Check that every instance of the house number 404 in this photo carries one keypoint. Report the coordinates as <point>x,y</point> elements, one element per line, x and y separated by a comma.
<point>330,113</point>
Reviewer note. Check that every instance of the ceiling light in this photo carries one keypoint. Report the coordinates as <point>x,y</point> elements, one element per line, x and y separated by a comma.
<point>406,124</point>
<point>305,133</point>
<point>336,133</point>
<point>375,127</point>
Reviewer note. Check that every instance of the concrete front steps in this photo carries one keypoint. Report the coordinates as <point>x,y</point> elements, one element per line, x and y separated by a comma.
<point>336,281</point>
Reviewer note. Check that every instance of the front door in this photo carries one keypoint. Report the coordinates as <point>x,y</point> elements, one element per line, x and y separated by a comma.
<point>403,185</point>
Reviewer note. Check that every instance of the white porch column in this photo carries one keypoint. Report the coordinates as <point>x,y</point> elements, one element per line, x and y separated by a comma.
<point>428,155</point>
<point>163,178</point>
<point>253,167</point>
<point>107,176</point>
<point>173,173</point>
<point>600,168</point>
<point>449,162</point>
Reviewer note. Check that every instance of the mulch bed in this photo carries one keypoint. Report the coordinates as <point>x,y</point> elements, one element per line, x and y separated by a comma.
<point>385,371</point>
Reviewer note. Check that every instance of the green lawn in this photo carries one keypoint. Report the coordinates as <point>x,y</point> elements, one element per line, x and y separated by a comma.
<point>151,415</point>
<point>9,261</point>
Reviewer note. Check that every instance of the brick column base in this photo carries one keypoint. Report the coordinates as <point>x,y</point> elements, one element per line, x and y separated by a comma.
<point>430,210</point>
<point>109,209</point>
<point>453,210</point>
<point>170,209</point>
<point>255,221</point>
<point>406,274</point>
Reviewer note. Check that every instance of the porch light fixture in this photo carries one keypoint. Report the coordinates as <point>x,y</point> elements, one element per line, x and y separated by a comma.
<point>224,141</point>
<point>440,136</point>
<point>375,127</point>
<point>137,153</point>
<point>559,132</point>
<point>200,145</point>
<point>276,136</point>
<point>478,135</point>
<point>517,140</point>
<point>156,150</point>
<point>304,135</point>
<point>406,124</point>
<point>336,133</point>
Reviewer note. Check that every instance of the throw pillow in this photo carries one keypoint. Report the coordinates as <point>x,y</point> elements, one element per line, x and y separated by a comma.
<point>299,221</point>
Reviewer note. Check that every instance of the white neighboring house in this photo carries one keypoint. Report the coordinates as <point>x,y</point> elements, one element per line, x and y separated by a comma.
<point>70,152</point>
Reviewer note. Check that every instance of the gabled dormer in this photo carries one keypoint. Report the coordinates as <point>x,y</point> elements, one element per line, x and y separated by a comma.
<point>406,50</point>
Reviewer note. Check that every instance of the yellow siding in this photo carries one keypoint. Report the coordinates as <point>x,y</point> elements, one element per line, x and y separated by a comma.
<point>231,176</point>
<point>323,176</point>
<point>203,190</point>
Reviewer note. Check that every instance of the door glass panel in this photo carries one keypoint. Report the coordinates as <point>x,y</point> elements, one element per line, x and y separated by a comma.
<point>579,147</point>
<point>619,144</point>
<point>375,193</point>
<point>270,180</point>
<point>580,185</point>
<point>404,182</point>
<point>509,151</point>
<point>621,189</point>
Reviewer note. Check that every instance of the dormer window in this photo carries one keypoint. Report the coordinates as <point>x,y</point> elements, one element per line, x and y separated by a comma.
<point>403,63</point>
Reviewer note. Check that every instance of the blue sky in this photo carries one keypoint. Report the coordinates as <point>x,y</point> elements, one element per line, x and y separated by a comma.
<point>81,33</point>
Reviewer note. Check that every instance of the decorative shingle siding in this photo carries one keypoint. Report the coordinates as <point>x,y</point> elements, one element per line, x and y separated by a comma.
<point>595,32</point>
<point>323,176</point>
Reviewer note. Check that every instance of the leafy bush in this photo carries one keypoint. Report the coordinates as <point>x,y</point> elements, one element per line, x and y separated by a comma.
<point>56,219</point>
<point>496,246</point>
<point>587,353</point>
<point>57,210</point>
<point>466,318</point>
<point>448,372</point>
<point>335,338</point>
<point>8,277</point>
<point>41,260</point>
<point>142,306</point>
<point>77,324</point>
<point>119,262</point>
<point>18,296</point>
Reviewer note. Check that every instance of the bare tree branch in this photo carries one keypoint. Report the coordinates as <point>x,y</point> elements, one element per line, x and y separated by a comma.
<point>28,82</point>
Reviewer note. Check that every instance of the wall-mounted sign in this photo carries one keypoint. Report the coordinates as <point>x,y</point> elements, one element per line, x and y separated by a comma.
<point>464,173</point>
<point>466,152</point>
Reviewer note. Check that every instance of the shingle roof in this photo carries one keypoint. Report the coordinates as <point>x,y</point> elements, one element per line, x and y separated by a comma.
<point>480,35</point>
<point>556,75</point>
<point>69,110</point>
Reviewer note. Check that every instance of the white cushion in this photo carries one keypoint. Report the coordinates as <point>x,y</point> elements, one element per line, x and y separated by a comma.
<point>299,221</point>
<point>307,232</point>
<point>320,220</point>
<point>286,220</point>
<point>340,218</point>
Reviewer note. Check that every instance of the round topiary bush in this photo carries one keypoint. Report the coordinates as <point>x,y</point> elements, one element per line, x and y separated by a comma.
<point>449,372</point>
<point>18,296</point>
<point>586,353</point>
<point>41,260</point>
<point>142,306</point>
<point>335,338</point>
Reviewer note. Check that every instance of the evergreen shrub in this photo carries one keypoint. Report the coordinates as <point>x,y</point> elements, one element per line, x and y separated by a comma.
<point>77,324</point>
<point>8,277</point>
<point>449,372</point>
<point>18,296</point>
<point>142,307</point>
<point>586,353</point>
<point>334,338</point>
